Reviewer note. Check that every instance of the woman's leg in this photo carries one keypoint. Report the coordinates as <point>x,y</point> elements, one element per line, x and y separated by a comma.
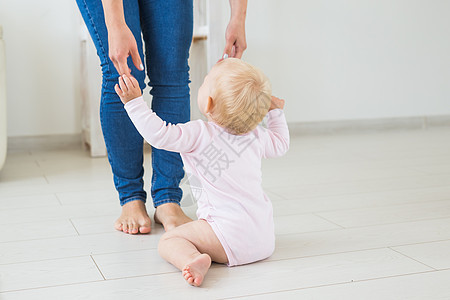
<point>124,144</point>
<point>191,247</point>
<point>167,30</point>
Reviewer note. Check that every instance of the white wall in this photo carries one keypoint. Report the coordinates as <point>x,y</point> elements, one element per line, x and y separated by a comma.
<point>42,56</point>
<point>331,60</point>
<point>353,59</point>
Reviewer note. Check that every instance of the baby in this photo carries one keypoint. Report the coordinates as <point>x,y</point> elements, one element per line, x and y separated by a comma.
<point>235,218</point>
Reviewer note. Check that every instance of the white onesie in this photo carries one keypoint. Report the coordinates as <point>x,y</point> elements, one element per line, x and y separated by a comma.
<point>227,171</point>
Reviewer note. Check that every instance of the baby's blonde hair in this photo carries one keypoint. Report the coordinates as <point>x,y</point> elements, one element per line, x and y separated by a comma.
<point>241,96</point>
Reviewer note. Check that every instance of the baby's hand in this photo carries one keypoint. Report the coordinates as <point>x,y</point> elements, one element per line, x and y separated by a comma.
<point>276,103</point>
<point>129,88</point>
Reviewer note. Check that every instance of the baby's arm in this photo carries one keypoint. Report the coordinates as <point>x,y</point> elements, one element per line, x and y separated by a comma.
<point>275,139</point>
<point>178,138</point>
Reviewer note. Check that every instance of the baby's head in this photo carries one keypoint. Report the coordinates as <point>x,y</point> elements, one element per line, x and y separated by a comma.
<point>235,95</point>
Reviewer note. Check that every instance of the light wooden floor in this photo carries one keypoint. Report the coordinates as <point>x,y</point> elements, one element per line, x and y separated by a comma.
<point>358,216</point>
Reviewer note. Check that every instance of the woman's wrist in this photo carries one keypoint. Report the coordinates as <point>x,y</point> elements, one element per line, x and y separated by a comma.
<point>116,24</point>
<point>238,19</point>
<point>238,10</point>
<point>114,16</point>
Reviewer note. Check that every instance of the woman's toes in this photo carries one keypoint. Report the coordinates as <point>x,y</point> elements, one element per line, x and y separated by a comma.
<point>131,227</point>
<point>125,227</point>
<point>134,218</point>
<point>118,226</point>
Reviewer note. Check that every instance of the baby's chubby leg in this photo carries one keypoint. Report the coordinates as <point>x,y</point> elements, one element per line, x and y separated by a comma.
<point>191,247</point>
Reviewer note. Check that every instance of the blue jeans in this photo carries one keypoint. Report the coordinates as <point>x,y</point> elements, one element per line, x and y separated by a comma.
<point>166,27</point>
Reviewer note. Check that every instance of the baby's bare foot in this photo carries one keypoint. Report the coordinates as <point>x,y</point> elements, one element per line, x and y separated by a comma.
<point>195,271</point>
<point>170,215</point>
<point>134,218</point>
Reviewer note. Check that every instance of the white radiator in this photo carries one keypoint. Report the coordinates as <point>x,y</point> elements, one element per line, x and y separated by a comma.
<point>3,134</point>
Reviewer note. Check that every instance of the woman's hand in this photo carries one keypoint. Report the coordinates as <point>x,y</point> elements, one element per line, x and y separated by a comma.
<point>276,103</point>
<point>121,45</point>
<point>128,88</point>
<point>235,33</point>
<point>121,41</point>
<point>235,38</point>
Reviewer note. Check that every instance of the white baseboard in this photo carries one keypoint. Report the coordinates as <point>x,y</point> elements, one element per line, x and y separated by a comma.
<point>437,121</point>
<point>44,142</point>
<point>369,125</point>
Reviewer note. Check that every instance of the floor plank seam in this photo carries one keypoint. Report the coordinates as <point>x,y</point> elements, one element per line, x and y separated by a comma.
<point>332,284</point>
<point>46,179</point>
<point>282,234</point>
<point>276,194</point>
<point>87,282</point>
<point>331,253</point>
<point>307,232</point>
<point>413,259</point>
<point>73,225</point>
<point>240,296</point>
<point>421,243</point>
<point>49,286</point>
<point>329,221</point>
<point>264,261</point>
<point>368,226</point>
<point>362,207</point>
<point>98,268</point>
<point>355,193</point>
<point>38,164</point>
<point>401,222</point>
<point>59,200</point>
<point>41,239</point>
<point>41,260</point>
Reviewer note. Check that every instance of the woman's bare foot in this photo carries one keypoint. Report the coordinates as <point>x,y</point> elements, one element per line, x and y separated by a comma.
<point>195,271</point>
<point>170,215</point>
<point>134,218</point>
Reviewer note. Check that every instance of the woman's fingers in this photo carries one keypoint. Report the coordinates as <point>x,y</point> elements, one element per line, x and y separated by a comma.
<point>121,65</point>
<point>235,38</point>
<point>128,82</point>
<point>239,50</point>
<point>122,85</point>
<point>136,58</point>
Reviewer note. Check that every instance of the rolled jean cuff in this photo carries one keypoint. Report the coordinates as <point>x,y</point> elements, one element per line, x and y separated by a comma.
<point>164,201</point>
<point>125,201</point>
